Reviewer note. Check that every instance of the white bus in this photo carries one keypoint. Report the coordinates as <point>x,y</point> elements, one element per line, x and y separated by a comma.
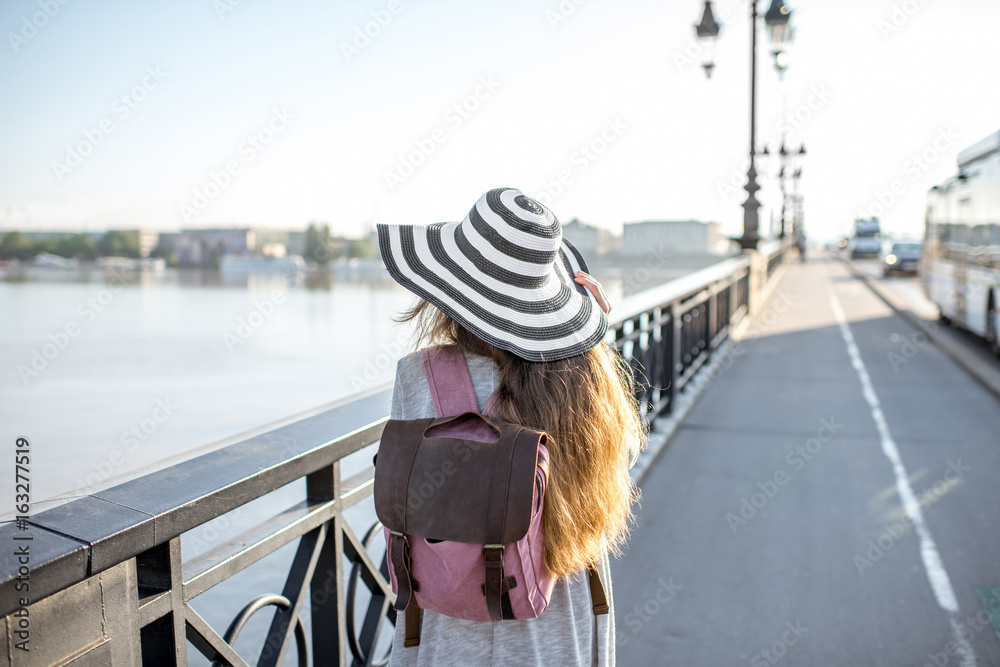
<point>961,263</point>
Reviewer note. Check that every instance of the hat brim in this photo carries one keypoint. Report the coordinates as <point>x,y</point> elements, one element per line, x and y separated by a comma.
<point>538,318</point>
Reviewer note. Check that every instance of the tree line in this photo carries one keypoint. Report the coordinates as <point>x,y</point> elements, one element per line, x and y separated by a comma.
<point>320,246</point>
<point>115,243</point>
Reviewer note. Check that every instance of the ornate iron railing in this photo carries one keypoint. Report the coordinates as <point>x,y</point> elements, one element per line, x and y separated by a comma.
<point>108,582</point>
<point>773,253</point>
<point>667,333</point>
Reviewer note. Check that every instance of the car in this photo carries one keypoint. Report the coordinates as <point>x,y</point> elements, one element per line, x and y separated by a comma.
<point>902,257</point>
<point>864,246</point>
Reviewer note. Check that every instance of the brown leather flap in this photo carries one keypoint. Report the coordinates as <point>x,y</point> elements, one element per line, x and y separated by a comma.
<point>434,478</point>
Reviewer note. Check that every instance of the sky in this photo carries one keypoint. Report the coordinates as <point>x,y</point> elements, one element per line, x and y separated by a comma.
<point>199,113</point>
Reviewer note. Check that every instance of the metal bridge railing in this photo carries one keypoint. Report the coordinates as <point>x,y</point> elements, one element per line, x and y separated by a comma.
<point>669,332</point>
<point>108,583</point>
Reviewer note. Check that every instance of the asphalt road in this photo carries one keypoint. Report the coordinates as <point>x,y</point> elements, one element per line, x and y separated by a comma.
<point>802,517</point>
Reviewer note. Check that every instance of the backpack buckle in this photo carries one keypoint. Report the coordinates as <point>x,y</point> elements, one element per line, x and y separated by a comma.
<point>493,554</point>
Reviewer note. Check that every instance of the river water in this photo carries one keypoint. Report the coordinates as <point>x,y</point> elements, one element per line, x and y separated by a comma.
<point>110,375</point>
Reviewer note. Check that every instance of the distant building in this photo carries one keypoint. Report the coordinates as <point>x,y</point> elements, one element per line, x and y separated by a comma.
<point>269,242</point>
<point>592,241</point>
<point>205,247</point>
<point>166,245</point>
<point>677,237</point>
<point>148,239</point>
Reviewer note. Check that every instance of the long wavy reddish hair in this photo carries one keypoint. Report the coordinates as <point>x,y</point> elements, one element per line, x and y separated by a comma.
<point>586,405</point>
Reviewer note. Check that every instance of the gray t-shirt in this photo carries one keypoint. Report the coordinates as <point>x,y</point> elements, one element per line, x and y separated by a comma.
<point>566,634</point>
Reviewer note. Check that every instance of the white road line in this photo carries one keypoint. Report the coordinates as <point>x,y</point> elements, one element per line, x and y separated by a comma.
<point>933,567</point>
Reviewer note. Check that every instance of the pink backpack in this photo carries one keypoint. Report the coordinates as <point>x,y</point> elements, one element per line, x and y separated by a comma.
<point>461,498</point>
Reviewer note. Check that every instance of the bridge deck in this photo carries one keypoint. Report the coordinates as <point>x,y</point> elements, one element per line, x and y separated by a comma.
<point>821,565</point>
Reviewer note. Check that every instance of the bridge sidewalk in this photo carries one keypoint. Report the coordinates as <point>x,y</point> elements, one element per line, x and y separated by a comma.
<point>771,529</point>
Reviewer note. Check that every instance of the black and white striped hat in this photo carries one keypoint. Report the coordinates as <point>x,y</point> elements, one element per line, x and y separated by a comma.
<point>505,273</point>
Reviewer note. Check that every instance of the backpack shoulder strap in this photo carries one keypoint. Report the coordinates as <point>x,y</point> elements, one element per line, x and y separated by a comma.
<point>453,394</point>
<point>449,381</point>
<point>598,596</point>
<point>414,619</point>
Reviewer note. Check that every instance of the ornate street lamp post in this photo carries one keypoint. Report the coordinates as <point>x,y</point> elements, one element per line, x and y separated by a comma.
<point>707,32</point>
<point>796,204</point>
<point>788,156</point>
<point>777,21</point>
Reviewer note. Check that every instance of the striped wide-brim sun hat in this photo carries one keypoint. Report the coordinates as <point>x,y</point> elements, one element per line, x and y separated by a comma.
<point>505,273</point>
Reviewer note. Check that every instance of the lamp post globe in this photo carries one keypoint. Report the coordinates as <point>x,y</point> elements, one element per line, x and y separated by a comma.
<point>777,19</point>
<point>707,31</point>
